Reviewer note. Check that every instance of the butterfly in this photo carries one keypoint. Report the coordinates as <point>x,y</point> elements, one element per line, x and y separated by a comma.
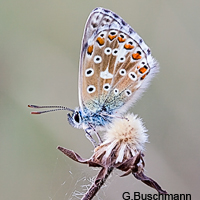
<point>115,68</point>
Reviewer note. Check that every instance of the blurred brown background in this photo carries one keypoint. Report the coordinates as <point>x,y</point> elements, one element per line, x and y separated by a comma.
<point>39,56</point>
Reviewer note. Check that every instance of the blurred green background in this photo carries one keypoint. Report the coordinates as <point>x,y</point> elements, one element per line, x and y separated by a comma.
<point>39,56</point>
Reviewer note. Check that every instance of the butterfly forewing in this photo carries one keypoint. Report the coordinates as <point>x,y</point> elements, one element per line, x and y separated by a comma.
<point>114,63</point>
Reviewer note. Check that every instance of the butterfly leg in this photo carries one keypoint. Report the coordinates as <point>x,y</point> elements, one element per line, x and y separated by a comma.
<point>89,137</point>
<point>97,134</point>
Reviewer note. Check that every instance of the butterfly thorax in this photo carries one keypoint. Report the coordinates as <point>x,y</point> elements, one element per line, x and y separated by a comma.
<point>87,118</point>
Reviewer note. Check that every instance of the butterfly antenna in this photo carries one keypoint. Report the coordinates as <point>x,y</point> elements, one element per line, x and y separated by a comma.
<point>55,108</point>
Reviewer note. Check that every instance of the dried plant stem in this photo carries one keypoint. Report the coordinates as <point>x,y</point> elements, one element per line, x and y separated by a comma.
<point>95,187</point>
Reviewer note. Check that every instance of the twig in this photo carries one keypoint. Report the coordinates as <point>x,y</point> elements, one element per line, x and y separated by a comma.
<point>95,187</point>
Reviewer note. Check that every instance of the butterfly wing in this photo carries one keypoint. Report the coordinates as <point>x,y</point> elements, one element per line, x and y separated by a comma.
<point>115,64</point>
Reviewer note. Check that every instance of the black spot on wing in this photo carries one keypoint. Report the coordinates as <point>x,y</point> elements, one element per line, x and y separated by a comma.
<point>115,15</point>
<point>94,25</point>
<point>131,30</point>
<point>107,11</point>
<point>85,46</point>
<point>97,17</point>
<point>123,22</point>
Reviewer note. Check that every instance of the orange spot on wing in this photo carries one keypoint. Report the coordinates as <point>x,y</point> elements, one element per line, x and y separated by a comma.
<point>144,76</point>
<point>120,39</point>
<point>136,56</point>
<point>111,37</point>
<point>143,69</point>
<point>90,49</point>
<point>100,41</point>
<point>128,46</point>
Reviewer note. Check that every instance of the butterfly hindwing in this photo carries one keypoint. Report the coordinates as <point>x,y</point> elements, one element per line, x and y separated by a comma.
<point>115,63</point>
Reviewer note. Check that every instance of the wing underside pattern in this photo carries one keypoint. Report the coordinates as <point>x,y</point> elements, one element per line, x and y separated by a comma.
<point>115,63</point>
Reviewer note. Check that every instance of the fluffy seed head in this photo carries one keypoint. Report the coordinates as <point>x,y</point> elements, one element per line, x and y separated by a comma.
<point>123,140</point>
<point>129,131</point>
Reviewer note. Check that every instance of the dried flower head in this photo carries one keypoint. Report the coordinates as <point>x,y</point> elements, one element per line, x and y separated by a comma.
<point>124,139</point>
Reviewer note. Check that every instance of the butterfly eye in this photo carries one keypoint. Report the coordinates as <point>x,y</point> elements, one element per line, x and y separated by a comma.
<point>108,51</point>
<point>115,52</point>
<point>97,59</point>
<point>116,91</point>
<point>132,76</point>
<point>89,72</point>
<point>91,89</point>
<point>77,117</point>
<point>106,86</point>
<point>128,93</point>
<point>122,72</point>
